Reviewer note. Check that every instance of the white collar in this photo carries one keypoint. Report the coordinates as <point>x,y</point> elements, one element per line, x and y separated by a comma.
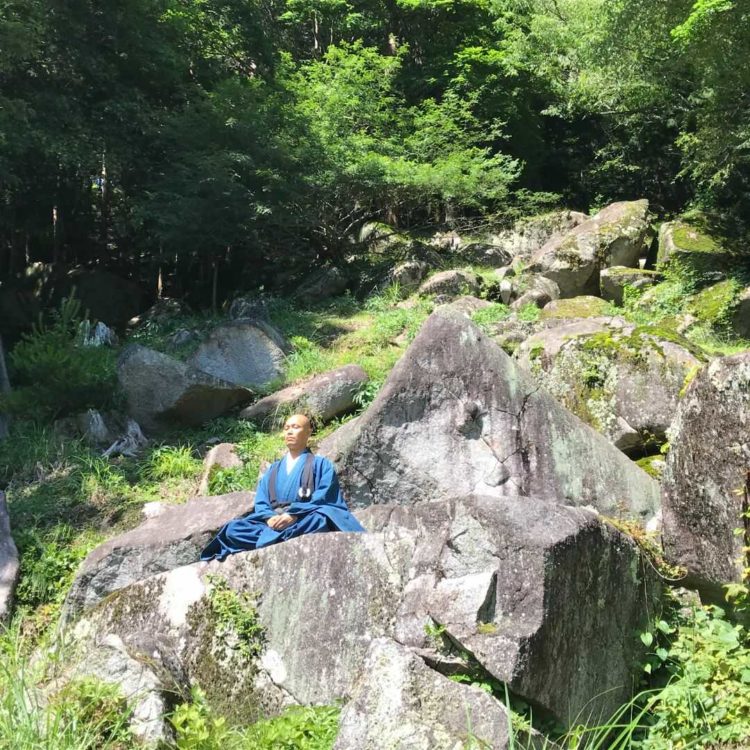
<point>291,462</point>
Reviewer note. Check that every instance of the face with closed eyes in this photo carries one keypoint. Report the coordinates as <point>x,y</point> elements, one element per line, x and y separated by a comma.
<point>296,432</point>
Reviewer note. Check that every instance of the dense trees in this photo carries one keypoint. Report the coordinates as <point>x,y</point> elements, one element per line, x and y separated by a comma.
<point>207,140</point>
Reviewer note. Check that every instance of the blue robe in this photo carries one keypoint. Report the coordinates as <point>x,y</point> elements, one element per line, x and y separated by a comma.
<point>324,510</point>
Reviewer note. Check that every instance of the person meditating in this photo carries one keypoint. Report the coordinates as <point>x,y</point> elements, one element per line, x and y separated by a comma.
<point>297,495</point>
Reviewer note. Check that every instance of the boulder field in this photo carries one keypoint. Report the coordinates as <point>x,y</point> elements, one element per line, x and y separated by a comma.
<point>492,488</point>
<point>480,563</point>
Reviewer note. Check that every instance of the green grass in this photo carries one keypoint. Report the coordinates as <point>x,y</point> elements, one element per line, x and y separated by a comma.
<point>85,714</point>
<point>64,498</point>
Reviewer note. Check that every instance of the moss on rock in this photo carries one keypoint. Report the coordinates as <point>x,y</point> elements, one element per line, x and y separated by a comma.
<point>652,465</point>
<point>221,660</point>
<point>715,304</point>
<point>576,307</point>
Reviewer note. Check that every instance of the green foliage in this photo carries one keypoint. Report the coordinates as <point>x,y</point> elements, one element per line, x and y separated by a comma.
<point>366,393</point>
<point>707,701</point>
<point>236,618</point>
<point>48,561</point>
<point>299,728</point>
<point>196,728</point>
<point>529,313</point>
<point>487,317</point>
<point>172,462</point>
<point>84,714</point>
<point>56,374</point>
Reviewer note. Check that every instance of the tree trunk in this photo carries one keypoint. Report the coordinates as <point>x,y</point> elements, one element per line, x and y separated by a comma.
<point>4,388</point>
<point>215,287</point>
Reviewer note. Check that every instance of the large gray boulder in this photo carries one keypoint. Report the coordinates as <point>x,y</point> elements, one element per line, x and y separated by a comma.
<point>322,284</point>
<point>172,539</point>
<point>162,391</point>
<point>694,248</point>
<point>528,235</point>
<point>400,702</point>
<point>616,236</point>
<point>623,380</point>
<point>705,483</point>
<point>9,568</point>
<point>249,353</point>
<point>544,598</point>
<point>457,416</point>
<point>324,397</point>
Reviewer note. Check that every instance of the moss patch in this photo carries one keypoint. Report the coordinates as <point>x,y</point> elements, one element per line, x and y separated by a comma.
<point>622,271</point>
<point>715,304</point>
<point>689,238</point>
<point>652,465</point>
<point>577,307</point>
<point>225,642</point>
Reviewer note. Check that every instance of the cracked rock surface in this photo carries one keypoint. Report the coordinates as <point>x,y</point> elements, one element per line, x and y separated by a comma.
<point>172,539</point>
<point>541,597</point>
<point>458,416</point>
<point>706,478</point>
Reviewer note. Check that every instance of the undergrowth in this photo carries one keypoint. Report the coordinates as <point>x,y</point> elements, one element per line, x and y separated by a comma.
<point>64,498</point>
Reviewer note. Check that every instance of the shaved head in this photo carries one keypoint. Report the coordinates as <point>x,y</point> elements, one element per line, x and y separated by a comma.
<point>296,432</point>
<point>301,419</point>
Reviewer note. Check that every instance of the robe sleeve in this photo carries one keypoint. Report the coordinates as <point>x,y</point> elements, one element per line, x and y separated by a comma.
<point>262,509</point>
<point>326,491</point>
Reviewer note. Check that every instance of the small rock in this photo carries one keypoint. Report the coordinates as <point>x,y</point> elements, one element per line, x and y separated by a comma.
<point>248,306</point>
<point>451,284</point>
<point>408,275</point>
<point>98,335</point>
<point>614,280</point>
<point>153,509</point>
<point>322,284</point>
<point>222,456</point>
<point>541,291</point>
<point>182,337</point>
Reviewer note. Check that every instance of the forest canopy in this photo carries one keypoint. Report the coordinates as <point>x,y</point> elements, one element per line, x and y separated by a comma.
<point>179,136</point>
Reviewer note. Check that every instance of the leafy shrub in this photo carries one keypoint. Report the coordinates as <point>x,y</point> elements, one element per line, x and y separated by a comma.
<point>707,700</point>
<point>299,728</point>
<point>84,715</point>
<point>97,708</point>
<point>236,618</point>
<point>529,313</point>
<point>366,393</point>
<point>55,374</point>
<point>196,728</point>
<point>48,561</point>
